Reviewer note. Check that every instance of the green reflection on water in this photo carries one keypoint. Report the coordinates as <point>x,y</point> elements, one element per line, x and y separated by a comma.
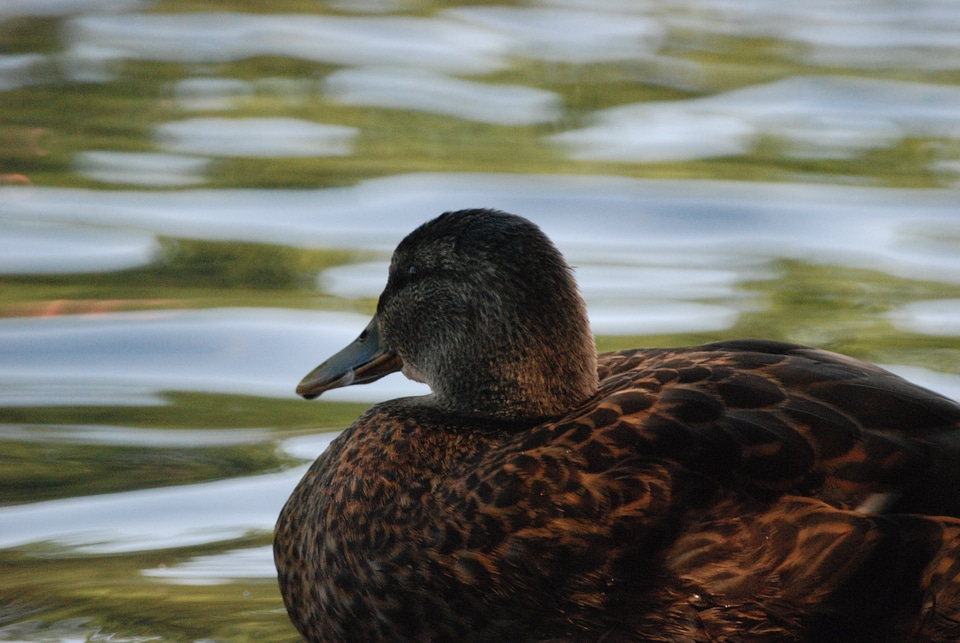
<point>46,126</point>
<point>832,307</point>
<point>189,273</point>
<point>100,596</point>
<point>37,472</point>
<point>31,471</point>
<point>48,591</point>
<point>203,410</point>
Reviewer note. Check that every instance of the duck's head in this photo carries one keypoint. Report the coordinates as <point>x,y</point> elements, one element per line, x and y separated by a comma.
<point>481,306</point>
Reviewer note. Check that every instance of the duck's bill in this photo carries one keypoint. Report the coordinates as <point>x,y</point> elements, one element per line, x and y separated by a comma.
<point>364,360</point>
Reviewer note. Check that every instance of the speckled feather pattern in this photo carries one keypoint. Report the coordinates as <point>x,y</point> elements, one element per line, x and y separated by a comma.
<point>703,494</point>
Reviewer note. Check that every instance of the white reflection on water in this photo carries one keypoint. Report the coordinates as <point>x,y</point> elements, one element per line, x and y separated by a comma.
<point>468,40</point>
<point>268,137</point>
<point>138,168</point>
<point>41,8</point>
<point>923,34</point>
<point>97,43</point>
<point>566,35</point>
<point>942,383</point>
<point>428,91</point>
<point>243,351</point>
<point>40,248</point>
<point>236,564</point>
<point>897,231</point>
<point>355,280</point>
<point>89,434</point>
<point>817,117</point>
<point>654,317</point>
<point>939,317</point>
<point>371,6</point>
<point>658,132</point>
<point>920,34</point>
<point>657,282</point>
<point>163,518</point>
<point>652,299</point>
<point>147,519</point>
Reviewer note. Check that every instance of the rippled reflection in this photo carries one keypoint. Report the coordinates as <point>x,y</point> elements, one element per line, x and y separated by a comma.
<point>146,169</point>
<point>243,351</point>
<point>31,247</point>
<point>97,42</point>
<point>816,117</point>
<point>433,92</point>
<point>939,317</point>
<point>255,137</point>
<point>900,231</point>
<point>155,518</point>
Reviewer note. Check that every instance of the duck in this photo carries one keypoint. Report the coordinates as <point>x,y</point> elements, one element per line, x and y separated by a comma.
<point>742,490</point>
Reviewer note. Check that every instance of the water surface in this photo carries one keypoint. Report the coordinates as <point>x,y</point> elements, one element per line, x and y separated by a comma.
<point>197,207</point>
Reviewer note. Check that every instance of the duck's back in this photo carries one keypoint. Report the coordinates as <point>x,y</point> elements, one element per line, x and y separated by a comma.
<point>784,418</point>
<point>734,491</point>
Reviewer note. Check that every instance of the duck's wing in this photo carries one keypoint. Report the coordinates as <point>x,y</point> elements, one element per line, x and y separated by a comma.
<point>805,567</point>
<point>780,418</point>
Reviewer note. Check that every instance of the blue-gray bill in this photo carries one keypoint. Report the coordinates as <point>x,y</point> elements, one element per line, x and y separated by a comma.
<point>364,360</point>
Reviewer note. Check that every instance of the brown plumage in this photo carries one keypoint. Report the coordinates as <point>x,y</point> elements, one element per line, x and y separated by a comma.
<point>738,491</point>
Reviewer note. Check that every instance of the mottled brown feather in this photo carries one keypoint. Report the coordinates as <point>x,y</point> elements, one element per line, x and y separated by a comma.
<point>737,491</point>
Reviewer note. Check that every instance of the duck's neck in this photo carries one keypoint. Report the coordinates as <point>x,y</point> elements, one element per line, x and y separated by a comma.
<point>544,369</point>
